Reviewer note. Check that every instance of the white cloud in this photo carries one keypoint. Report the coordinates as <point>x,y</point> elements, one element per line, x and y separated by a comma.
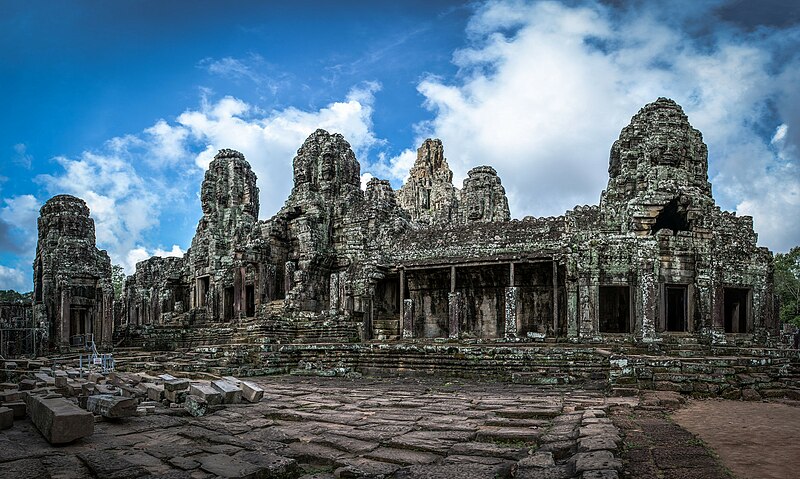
<point>22,158</point>
<point>16,279</point>
<point>141,253</point>
<point>19,218</point>
<point>544,89</point>
<point>135,180</point>
<point>270,140</point>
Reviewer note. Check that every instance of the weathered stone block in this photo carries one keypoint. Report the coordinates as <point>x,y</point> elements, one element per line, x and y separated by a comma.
<point>176,384</point>
<point>177,397</point>
<point>196,405</point>
<point>155,392</point>
<point>59,420</point>
<point>207,392</point>
<point>6,418</point>
<point>231,394</point>
<point>251,392</point>
<point>112,407</point>
<point>18,407</point>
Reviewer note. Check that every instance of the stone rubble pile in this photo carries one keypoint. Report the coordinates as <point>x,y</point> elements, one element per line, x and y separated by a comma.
<point>64,402</point>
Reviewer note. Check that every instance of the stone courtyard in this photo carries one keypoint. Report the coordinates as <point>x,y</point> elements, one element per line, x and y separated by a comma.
<point>336,427</point>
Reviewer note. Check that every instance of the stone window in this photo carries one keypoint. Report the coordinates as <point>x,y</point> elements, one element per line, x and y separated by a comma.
<point>736,310</point>
<point>615,310</point>
<point>672,217</point>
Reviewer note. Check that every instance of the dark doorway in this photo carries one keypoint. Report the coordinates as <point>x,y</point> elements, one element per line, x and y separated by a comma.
<point>675,308</point>
<point>735,310</point>
<point>202,288</point>
<point>615,309</point>
<point>227,304</point>
<point>250,298</point>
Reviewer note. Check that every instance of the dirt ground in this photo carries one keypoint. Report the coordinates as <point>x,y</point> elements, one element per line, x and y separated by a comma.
<point>754,440</point>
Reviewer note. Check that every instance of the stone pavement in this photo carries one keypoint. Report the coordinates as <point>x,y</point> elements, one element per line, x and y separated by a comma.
<point>319,428</point>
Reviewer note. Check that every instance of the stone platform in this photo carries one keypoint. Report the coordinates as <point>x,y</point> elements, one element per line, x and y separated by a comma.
<point>336,427</point>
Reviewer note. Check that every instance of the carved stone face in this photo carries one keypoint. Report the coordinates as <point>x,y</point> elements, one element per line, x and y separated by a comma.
<point>475,212</point>
<point>328,170</point>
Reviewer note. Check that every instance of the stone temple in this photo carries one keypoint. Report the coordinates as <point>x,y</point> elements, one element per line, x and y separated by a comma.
<point>583,330</point>
<point>656,257</point>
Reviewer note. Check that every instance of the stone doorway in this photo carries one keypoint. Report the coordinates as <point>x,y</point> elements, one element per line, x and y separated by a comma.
<point>615,310</point>
<point>675,307</point>
<point>736,310</point>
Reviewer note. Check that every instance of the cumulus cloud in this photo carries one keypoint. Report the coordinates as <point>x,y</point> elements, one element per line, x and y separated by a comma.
<point>16,279</point>
<point>544,88</point>
<point>269,140</point>
<point>141,253</point>
<point>135,180</point>
<point>18,227</point>
<point>22,157</point>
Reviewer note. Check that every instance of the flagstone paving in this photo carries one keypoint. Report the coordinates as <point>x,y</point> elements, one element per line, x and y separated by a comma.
<point>328,427</point>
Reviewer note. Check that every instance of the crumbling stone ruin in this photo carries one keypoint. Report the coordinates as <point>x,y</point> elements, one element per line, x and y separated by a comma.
<point>72,294</point>
<point>655,257</point>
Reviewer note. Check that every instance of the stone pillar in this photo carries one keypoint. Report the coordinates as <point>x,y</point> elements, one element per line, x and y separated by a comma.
<point>408,318</point>
<point>555,298</point>
<point>586,310</point>
<point>288,276</point>
<point>334,292</point>
<point>717,313</point>
<point>238,291</point>
<point>648,292</point>
<point>64,326</point>
<point>455,303</point>
<point>511,311</point>
<point>108,320</point>
<point>367,304</point>
<point>452,279</point>
<point>269,282</point>
<point>402,292</point>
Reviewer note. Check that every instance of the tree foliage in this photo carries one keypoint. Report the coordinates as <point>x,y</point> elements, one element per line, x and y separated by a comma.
<point>787,285</point>
<point>11,296</point>
<point>117,279</point>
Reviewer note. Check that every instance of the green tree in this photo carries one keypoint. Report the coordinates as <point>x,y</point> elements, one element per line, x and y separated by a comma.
<point>11,296</point>
<point>117,279</point>
<point>787,285</point>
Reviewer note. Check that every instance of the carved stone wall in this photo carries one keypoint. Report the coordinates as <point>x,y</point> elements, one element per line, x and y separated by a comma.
<point>656,256</point>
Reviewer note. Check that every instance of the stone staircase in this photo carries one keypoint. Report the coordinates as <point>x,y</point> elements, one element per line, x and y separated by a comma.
<point>386,327</point>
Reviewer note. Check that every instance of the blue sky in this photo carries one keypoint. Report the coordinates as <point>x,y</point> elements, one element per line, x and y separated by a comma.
<point>124,103</point>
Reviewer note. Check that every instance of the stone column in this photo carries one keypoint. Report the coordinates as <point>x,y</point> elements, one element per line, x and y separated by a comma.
<point>64,326</point>
<point>408,318</point>
<point>334,292</point>
<point>648,292</point>
<point>455,303</point>
<point>511,312</point>
<point>288,276</point>
<point>555,298</point>
<point>269,282</point>
<point>402,292</point>
<point>108,320</point>
<point>366,303</point>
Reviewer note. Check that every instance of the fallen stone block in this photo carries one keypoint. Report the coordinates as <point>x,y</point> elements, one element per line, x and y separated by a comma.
<point>60,381</point>
<point>231,394</point>
<point>18,407</point>
<point>9,396</point>
<point>59,420</point>
<point>251,392</point>
<point>176,385</point>
<point>177,397</point>
<point>155,392</point>
<point>27,385</point>
<point>95,377</point>
<point>205,391</point>
<point>6,418</point>
<point>196,405</point>
<point>112,407</point>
